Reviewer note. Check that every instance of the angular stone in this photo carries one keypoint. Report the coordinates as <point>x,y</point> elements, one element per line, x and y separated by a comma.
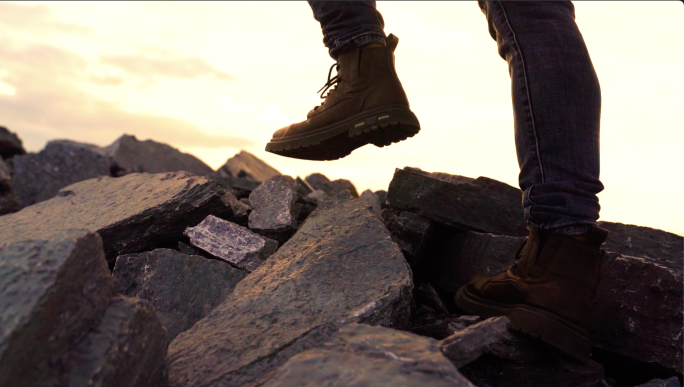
<point>40,176</point>
<point>128,349</point>
<point>640,310</point>
<point>185,249</point>
<point>319,181</point>
<point>133,213</point>
<point>362,355</point>
<point>129,155</point>
<point>231,243</point>
<point>341,266</point>
<point>382,196</point>
<point>182,288</point>
<point>10,144</point>
<point>241,187</point>
<point>480,204</point>
<point>305,187</point>
<point>432,298</point>
<point>52,292</point>
<point>671,382</point>
<point>318,195</point>
<point>372,199</point>
<point>344,184</point>
<point>409,231</point>
<point>467,345</point>
<point>273,208</point>
<point>8,202</point>
<point>646,242</point>
<point>245,164</point>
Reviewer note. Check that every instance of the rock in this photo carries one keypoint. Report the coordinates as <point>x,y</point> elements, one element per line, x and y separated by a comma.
<point>431,298</point>
<point>185,249</point>
<point>245,164</point>
<point>409,231</point>
<point>362,355</point>
<point>382,196</point>
<point>304,186</point>
<point>671,382</point>
<point>273,208</point>
<point>231,243</point>
<point>10,144</point>
<point>319,181</point>
<point>467,345</point>
<point>241,187</point>
<point>372,199</point>
<point>639,310</point>
<point>128,349</point>
<point>182,288</point>
<point>426,321</point>
<point>52,292</point>
<point>344,184</point>
<point>134,213</point>
<point>40,176</point>
<point>341,266</point>
<point>318,195</point>
<point>239,208</point>
<point>8,202</point>
<point>129,155</point>
<point>644,242</point>
<point>480,204</point>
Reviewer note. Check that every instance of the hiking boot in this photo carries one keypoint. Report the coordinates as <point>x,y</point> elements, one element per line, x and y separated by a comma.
<point>366,106</point>
<point>547,294</point>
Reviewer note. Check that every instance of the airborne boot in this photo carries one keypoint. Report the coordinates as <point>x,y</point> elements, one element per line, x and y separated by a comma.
<point>547,294</point>
<point>366,106</point>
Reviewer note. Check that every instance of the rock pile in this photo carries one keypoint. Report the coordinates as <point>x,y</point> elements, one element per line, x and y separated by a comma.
<point>246,277</point>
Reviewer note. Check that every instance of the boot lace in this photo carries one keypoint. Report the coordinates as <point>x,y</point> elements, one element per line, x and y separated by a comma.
<point>330,83</point>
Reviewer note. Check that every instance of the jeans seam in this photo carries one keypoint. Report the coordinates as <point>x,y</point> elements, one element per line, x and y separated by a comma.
<point>527,89</point>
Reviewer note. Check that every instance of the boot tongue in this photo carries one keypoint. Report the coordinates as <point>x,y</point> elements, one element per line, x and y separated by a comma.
<point>596,236</point>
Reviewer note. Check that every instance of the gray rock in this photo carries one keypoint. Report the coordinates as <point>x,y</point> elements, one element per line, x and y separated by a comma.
<point>372,199</point>
<point>10,144</point>
<point>467,345</point>
<point>640,310</point>
<point>52,292</point>
<point>241,187</point>
<point>318,195</point>
<point>644,242</point>
<point>344,184</point>
<point>382,196</point>
<point>671,382</point>
<point>273,208</point>
<point>128,349</point>
<point>182,288</point>
<point>341,266</point>
<point>40,176</point>
<point>409,231</point>
<point>245,164</point>
<point>239,208</point>
<point>480,204</point>
<point>305,187</point>
<point>8,202</point>
<point>319,181</point>
<point>232,243</point>
<point>129,155</point>
<point>134,213</point>
<point>362,355</point>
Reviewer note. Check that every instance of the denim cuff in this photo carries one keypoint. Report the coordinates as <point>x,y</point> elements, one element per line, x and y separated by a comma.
<point>356,42</point>
<point>571,230</point>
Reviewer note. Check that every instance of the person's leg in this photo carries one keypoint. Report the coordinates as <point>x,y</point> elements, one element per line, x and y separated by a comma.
<point>548,292</point>
<point>365,102</point>
<point>350,24</point>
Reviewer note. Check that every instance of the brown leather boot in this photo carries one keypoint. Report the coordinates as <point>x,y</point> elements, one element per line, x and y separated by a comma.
<point>367,106</point>
<point>547,294</point>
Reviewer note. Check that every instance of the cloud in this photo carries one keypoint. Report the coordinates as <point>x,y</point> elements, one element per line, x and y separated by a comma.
<point>173,67</point>
<point>37,19</point>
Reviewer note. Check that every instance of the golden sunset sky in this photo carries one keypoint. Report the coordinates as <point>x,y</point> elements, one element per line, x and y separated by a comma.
<point>211,78</point>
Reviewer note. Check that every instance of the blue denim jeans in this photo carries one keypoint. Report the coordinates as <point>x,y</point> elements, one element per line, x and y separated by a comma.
<point>556,100</point>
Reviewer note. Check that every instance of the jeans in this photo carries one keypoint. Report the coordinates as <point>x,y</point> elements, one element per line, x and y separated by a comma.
<point>556,100</point>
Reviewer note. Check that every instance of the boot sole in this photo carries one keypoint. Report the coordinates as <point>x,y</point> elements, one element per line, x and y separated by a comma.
<point>380,127</point>
<point>565,338</point>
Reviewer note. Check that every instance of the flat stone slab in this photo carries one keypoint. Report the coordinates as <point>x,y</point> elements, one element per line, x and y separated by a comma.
<point>481,204</point>
<point>133,213</point>
<point>470,343</point>
<point>646,242</point>
<point>128,349</point>
<point>232,243</point>
<point>130,155</point>
<point>362,355</point>
<point>52,292</point>
<point>245,164</point>
<point>10,144</point>
<point>273,208</point>
<point>182,288</point>
<point>40,176</point>
<point>341,266</point>
<point>8,202</point>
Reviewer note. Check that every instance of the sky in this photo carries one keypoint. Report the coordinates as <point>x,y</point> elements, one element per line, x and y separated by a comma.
<point>212,78</point>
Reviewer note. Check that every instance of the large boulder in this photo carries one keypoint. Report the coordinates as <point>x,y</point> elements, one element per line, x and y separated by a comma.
<point>481,204</point>
<point>128,349</point>
<point>245,164</point>
<point>182,288</point>
<point>52,292</point>
<point>40,176</point>
<point>134,213</point>
<point>341,266</point>
<point>646,242</point>
<point>273,208</point>
<point>129,155</point>
<point>10,144</point>
<point>8,202</point>
<point>362,355</point>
